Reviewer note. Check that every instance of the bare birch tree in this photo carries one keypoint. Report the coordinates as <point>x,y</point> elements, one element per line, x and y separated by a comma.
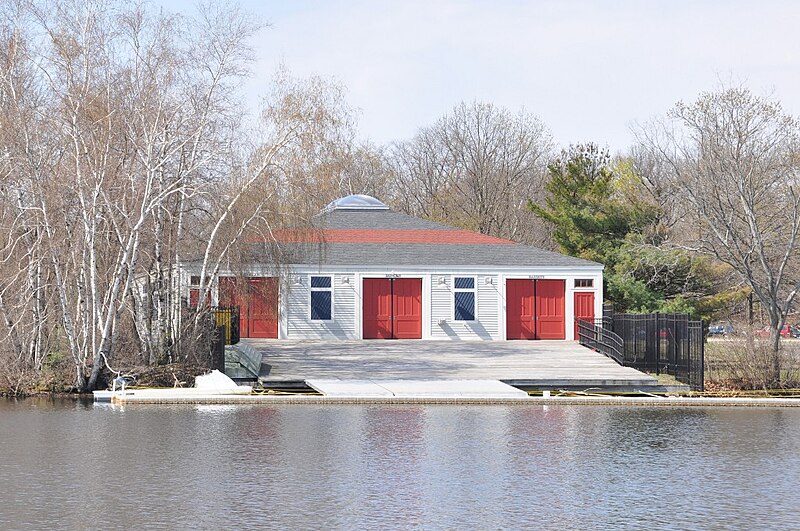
<point>26,157</point>
<point>124,154</point>
<point>735,159</point>
<point>115,120</point>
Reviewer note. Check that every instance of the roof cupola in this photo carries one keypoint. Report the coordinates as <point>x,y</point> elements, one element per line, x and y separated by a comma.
<point>356,202</point>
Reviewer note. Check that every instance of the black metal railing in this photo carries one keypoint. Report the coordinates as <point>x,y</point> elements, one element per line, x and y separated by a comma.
<point>227,317</point>
<point>602,339</point>
<point>659,343</point>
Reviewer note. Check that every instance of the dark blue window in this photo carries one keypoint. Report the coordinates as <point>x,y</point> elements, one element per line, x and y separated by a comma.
<point>320,282</point>
<point>321,305</point>
<point>464,298</point>
<point>321,298</point>
<point>465,306</point>
<point>465,283</point>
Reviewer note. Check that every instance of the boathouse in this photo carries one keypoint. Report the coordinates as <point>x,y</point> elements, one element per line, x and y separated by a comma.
<point>368,272</point>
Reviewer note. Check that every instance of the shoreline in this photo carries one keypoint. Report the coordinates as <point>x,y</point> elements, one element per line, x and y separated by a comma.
<point>646,401</point>
<point>314,399</point>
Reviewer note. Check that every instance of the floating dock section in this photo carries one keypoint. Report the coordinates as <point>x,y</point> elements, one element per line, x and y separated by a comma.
<point>444,389</point>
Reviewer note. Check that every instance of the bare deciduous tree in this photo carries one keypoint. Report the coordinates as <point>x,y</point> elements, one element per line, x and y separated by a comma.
<point>322,159</point>
<point>116,122</point>
<point>735,159</point>
<point>124,153</point>
<point>476,167</point>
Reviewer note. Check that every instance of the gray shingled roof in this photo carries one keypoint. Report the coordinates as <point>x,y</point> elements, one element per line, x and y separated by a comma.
<point>405,254</point>
<point>394,254</point>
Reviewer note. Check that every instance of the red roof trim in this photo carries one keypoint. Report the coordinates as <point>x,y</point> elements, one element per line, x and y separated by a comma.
<point>384,236</point>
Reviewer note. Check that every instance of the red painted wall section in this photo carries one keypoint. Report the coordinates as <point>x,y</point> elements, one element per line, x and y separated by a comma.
<point>584,308</point>
<point>442,237</point>
<point>550,309</point>
<point>520,314</point>
<point>194,297</point>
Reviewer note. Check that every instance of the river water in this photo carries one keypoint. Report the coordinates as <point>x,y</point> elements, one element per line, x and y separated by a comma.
<point>72,465</point>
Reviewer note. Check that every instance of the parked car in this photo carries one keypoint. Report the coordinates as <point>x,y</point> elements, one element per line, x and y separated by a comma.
<point>720,330</point>
<point>786,331</point>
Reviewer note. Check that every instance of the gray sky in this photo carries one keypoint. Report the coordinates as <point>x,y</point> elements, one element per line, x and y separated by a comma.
<point>587,69</point>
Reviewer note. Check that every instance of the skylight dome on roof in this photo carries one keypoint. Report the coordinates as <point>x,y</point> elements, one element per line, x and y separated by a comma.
<point>356,202</point>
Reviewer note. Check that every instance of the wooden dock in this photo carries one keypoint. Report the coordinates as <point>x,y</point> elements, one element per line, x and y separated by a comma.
<point>528,365</point>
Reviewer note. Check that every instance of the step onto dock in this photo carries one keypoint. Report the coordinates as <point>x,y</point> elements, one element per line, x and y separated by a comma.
<point>440,389</point>
<point>529,365</point>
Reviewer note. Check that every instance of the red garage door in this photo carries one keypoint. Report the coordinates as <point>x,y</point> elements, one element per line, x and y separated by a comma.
<point>392,308</point>
<point>535,309</point>
<point>584,308</point>
<point>550,309</point>
<point>257,299</point>
<point>263,318</point>
<point>378,308</point>
<point>520,315</point>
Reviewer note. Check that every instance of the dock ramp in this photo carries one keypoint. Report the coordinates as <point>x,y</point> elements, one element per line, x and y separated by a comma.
<point>242,362</point>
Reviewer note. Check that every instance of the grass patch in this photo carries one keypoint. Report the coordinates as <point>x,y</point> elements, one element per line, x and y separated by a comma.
<point>666,379</point>
<point>738,364</point>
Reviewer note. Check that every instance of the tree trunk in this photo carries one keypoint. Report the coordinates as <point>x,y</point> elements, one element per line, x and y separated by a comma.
<point>775,344</point>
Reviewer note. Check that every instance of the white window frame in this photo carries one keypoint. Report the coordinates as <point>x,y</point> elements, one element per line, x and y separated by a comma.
<point>312,289</point>
<point>474,291</point>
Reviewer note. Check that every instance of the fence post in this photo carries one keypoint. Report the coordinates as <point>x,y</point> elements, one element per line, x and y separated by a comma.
<point>218,348</point>
<point>608,316</point>
<point>654,347</point>
<point>702,356</point>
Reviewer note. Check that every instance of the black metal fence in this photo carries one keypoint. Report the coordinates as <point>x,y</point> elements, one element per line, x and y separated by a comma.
<point>657,343</point>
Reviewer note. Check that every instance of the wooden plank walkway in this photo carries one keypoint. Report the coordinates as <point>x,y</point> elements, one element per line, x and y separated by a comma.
<point>554,363</point>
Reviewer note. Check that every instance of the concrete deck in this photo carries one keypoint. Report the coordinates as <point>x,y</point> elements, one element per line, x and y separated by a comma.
<point>433,389</point>
<point>529,364</point>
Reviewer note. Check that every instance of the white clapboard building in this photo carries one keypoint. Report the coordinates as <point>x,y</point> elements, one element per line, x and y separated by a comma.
<point>368,272</point>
